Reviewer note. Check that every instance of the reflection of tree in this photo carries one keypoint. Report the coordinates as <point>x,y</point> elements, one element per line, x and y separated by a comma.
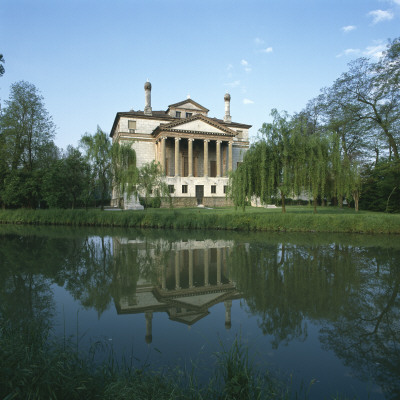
<point>367,335</point>
<point>285,284</point>
<point>88,272</point>
<point>26,300</point>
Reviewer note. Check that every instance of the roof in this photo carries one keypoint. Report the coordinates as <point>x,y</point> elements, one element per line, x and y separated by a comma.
<point>163,115</point>
<point>171,127</point>
<point>176,105</point>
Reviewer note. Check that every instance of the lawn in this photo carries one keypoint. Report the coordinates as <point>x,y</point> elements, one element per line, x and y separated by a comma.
<point>296,219</point>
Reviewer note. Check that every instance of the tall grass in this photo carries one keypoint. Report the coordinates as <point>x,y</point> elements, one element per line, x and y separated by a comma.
<point>296,219</point>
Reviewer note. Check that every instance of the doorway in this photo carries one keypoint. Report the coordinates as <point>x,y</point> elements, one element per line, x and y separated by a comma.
<point>199,194</point>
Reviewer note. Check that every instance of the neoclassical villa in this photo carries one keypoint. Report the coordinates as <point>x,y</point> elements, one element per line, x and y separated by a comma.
<point>196,152</point>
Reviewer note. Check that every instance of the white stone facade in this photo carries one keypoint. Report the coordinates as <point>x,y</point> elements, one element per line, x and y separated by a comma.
<point>196,152</point>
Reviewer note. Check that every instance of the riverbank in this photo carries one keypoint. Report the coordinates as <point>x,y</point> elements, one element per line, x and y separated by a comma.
<point>296,219</point>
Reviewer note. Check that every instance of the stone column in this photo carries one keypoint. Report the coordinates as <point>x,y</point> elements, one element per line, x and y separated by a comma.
<point>177,156</point>
<point>218,158</point>
<point>190,268</point>
<point>149,326</point>
<point>206,282</point>
<point>230,161</point>
<point>163,139</point>
<point>190,156</point>
<point>163,277</point>
<point>219,266</point>
<point>177,271</point>
<point>228,306</point>
<point>205,163</point>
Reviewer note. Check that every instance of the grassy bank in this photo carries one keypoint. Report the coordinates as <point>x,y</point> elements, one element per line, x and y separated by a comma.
<point>296,219</point>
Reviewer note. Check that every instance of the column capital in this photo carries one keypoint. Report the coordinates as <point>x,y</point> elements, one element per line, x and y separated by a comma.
<point>206,140</point>
<point>219,141</point>
<point>190,140</point>
<point>177,138</point>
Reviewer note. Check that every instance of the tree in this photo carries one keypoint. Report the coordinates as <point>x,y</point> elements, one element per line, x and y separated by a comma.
<point>98,153</point>
<point>124,170</point>
<point>369,93</point>
<point>1,66</point>
<point>26,144</point>
<point>66,180</point>
<point>151,184</point>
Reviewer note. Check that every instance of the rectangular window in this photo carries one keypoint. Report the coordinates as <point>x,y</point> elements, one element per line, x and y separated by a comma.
<point>225,189</point>
<point>171,188</point>
<point>213,189</point>
<point>188,115</point>
<point>132,126</point>
<point>177,114</point>
<point>184,188</point>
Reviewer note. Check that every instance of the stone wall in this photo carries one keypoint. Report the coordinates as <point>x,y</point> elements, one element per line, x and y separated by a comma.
<point>181,202</point>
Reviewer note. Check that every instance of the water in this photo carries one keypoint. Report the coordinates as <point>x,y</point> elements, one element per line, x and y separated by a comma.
<point>312,308</point>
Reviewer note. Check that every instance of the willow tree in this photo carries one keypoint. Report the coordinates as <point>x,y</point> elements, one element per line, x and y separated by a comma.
<point>282,161</point>
<point>273,166</point>
<point>317,163</point>
<point>98,154</point>
<point>125,174</point>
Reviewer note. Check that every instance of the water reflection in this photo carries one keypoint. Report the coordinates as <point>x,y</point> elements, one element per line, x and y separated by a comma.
<point>346,286</point>
<point>182,278</point>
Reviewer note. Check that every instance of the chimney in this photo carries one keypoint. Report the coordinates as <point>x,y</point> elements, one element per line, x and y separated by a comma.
<point>227,117</point>
<point>147,96</point>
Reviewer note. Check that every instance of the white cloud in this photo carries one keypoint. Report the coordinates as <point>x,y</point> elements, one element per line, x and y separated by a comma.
<point>260,41</point>
<point>229,67</point>
<point>348,52</point>
<point>380,16</point>
<point>396,2</point>
<point>248,101</point>
<point>246,65</point>
<point>375,51</point>
<point>233,84</point>
<point>349,28</point>
<point>267,50</point>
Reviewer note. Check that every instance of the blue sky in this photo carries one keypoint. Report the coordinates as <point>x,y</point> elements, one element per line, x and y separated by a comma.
<point>90,59</point>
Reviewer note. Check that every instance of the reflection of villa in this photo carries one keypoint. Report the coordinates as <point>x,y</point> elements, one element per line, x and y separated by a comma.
<point>192,277</point>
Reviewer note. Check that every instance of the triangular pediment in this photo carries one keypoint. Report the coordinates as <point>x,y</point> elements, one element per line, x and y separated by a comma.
<point>197,124</point>
<point>188,104</point>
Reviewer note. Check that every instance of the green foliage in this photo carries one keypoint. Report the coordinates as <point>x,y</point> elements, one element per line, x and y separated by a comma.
<point>1,66</point>
<point>26,146</point>
<point>98,153</point>
<point>65,182</point>
<point>151,185</point>
<point>124,170</point>
<point>381,187</point>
